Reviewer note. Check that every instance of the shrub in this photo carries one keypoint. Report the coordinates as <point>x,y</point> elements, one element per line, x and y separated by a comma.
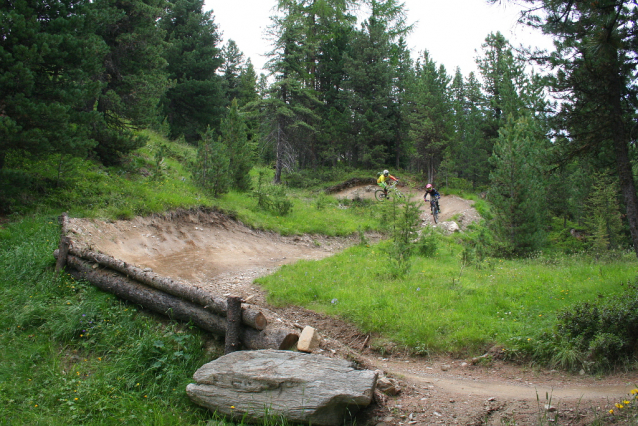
<point>597,335</point>
<point>272,197</point>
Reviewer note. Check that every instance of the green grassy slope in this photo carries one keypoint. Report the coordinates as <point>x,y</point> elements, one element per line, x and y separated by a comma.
<point>70,354</point>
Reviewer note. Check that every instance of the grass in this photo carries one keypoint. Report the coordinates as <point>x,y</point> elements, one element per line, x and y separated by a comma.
<point>442,306</point>
<point>70,354</point>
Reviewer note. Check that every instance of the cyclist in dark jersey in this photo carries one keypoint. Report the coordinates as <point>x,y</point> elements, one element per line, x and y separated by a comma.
<point>434,195</point>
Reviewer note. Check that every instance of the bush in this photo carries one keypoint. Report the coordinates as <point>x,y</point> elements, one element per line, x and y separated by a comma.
<point>272,197</point>
<point>598,335</point>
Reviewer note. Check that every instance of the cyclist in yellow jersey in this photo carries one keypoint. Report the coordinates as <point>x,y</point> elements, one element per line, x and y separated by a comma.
<point>381,181</point>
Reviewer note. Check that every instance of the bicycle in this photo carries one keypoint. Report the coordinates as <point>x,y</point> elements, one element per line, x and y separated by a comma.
<point>434,209</point>
<point>381,195</point>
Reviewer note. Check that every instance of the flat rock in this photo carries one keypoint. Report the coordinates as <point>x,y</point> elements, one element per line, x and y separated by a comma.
<point>303,388</point>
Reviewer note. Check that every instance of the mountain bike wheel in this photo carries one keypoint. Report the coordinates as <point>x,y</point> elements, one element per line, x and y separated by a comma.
<point>380,195</point>
<point>435,213</point>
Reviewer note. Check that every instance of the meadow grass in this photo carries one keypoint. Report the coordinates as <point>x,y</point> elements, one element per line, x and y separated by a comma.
<point>71,354</point>
<point>442,305</point>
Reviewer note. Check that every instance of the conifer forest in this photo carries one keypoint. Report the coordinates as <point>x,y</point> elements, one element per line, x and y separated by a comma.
<point>543,135</point>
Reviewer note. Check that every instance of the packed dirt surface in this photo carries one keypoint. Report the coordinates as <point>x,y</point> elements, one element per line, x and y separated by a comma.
<point>453,208</point>
<point>214,252</point>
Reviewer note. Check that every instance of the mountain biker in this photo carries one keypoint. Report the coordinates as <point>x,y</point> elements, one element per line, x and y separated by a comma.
<point>381,181</point>
<point>434,195</point>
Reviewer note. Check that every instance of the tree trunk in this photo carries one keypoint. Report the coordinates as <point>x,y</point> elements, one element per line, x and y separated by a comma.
<point>623,163</point>
<point>233,329</point>
<point>176,308</point>
<point>250,316</point>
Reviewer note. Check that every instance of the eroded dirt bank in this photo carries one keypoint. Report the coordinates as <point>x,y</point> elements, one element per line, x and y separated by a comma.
<point>215,252</point>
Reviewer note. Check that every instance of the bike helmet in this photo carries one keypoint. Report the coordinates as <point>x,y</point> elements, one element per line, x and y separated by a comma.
<point>428,186</point>
<point>385,172</point>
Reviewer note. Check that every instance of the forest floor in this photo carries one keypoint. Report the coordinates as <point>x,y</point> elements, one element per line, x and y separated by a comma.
<point>223,256</point>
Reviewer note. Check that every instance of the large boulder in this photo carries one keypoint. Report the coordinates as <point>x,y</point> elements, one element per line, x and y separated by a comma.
<point>303,388</point>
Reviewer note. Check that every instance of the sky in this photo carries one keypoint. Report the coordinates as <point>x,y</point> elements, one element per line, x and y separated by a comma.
<point>451,30</point>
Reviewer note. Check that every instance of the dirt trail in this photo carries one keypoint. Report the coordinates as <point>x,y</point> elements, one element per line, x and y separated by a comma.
<point>224,256</point>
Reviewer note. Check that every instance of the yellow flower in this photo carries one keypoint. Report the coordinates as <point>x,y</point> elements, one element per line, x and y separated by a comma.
<point>611,411</point>
<point>75,399</point>
<point>232,406</point>
<point>634,391</point>
<point>625,402</point>
<point>618,405</point>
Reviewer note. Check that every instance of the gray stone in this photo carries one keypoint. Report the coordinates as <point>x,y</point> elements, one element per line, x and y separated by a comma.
<point>304,388</point>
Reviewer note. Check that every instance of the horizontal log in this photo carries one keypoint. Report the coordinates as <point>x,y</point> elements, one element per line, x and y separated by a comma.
<point>215,304</point>
<point>175,307</point>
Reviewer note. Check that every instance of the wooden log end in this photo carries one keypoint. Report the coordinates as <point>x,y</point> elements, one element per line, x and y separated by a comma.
<point>289,341</point>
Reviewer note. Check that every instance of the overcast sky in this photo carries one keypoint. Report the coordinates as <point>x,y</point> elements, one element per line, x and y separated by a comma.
<point>451,30</point>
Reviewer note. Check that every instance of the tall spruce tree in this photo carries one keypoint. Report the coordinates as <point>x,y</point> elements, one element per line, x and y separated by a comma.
<point>195,101</point>
<point>467,155</point>
<point>431,118</point>
<point>231,68</point>
<point>49,53</point>
<point>371,86</point>
<point>289,108</point>
<point>594,74</point>
<point>517,189</point>
<point>240,152</point>
<point>133,76</point>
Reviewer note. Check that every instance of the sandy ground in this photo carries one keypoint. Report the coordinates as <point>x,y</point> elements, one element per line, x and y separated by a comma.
<point>212,251</point>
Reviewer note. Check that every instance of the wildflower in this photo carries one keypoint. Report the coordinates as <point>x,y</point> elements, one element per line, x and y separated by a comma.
<point>75,399</point>
<point>634,391</point>
<point>611,411</point>
<point>619,406</point>
<point>626,402</point>
<point>232,406</point>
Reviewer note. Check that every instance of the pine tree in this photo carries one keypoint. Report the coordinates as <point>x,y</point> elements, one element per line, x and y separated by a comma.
<point>241,154</point>
<point>370,86</point>
<point>603,214</point>
<point>49,53</point>
<point>232,66</point>
<point>195,101</point>
<point>212,165</point>
<point>431,118</point>
<point>594,70</point>
<point>517,189</point>
<point>133,76</point>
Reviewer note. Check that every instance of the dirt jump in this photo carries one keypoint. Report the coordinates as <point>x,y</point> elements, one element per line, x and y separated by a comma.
<point>223,256</point>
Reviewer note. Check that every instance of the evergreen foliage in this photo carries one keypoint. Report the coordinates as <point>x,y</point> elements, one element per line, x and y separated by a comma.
<point>195,100</point>
<point>517,188</point>
<point>133,74</point>
<point>49,55</point>
<point>211,169</point>
<point>593,74</point>
<point>240,152</point>
<point>603,215</point>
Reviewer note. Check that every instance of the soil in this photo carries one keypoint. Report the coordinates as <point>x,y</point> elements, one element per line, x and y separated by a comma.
<point>212,251</point>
